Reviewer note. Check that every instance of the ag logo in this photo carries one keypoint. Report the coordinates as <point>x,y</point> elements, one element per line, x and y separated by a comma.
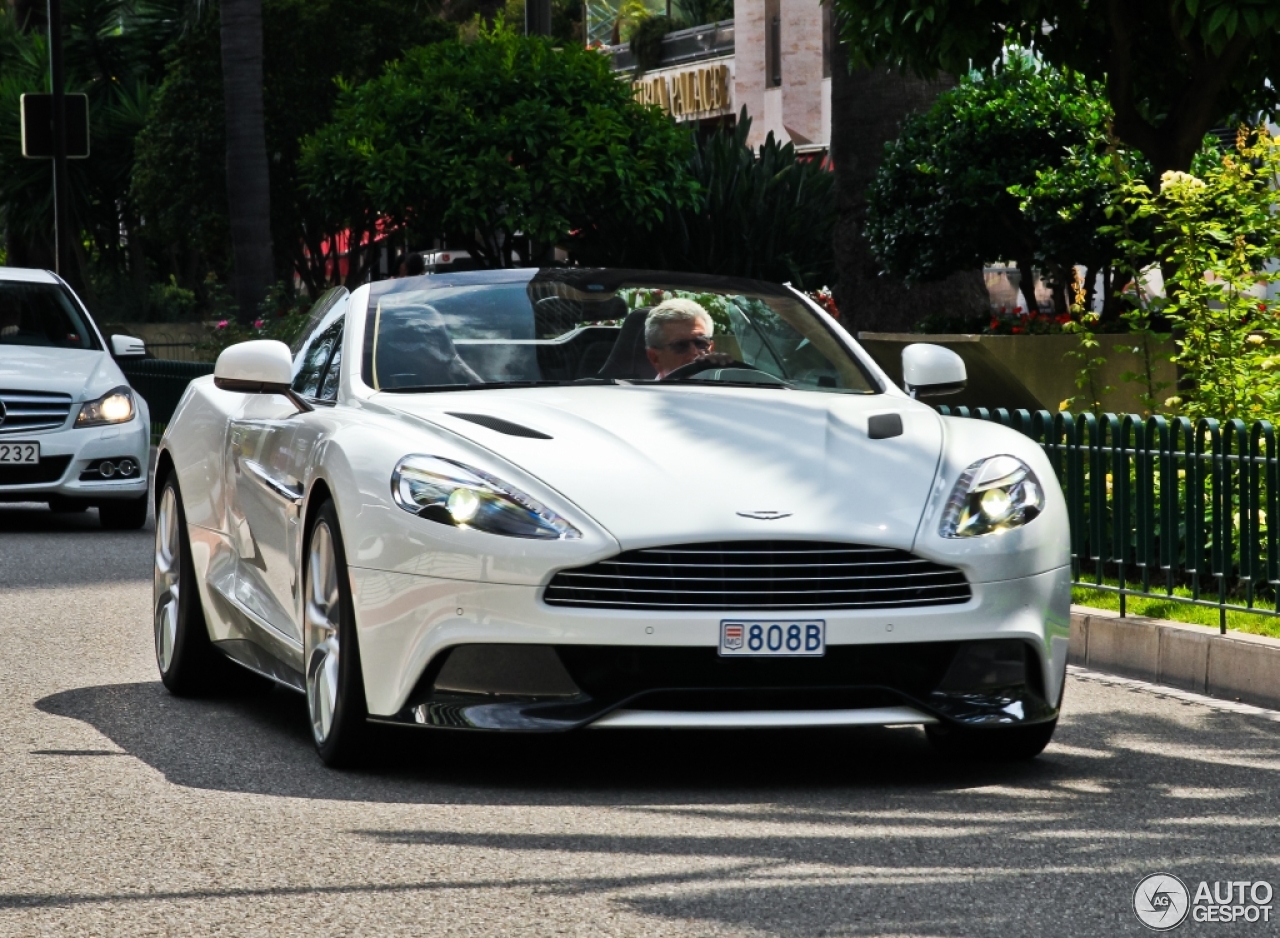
<point>1161,901</point>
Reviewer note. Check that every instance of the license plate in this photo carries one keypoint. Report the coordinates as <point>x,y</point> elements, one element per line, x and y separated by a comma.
<point>19,454</point>
<point>773,638</point>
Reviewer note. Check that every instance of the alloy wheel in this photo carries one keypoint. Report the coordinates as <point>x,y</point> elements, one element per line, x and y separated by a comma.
<point>323,623</point>
<point>168,578</point>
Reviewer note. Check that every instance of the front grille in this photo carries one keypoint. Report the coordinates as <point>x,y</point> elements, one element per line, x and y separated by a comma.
<point>760,575</point>
<point>48,469</point>
<point>28,411</point>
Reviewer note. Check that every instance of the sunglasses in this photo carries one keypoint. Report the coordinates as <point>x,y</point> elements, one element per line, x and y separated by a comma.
<point>681,346</point>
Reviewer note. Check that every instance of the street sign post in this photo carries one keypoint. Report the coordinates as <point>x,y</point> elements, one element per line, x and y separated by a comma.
<point>37,126</point>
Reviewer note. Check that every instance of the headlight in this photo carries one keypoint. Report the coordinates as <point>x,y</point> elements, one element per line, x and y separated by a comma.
<point>993,495</point>
<point>451,493</point>
<point>113,407</point>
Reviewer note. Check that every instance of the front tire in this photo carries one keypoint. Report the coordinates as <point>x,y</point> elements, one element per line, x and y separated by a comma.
<point>335,686</point>
<point>123,515</point>
<point>187,660</point>
<point>991,744</point>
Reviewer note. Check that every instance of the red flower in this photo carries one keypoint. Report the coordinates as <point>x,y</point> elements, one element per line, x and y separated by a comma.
<point>1017,330</point>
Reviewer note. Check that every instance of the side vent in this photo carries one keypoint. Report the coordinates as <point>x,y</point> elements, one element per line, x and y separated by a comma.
<point>499,425</point>
<point>884,426</point>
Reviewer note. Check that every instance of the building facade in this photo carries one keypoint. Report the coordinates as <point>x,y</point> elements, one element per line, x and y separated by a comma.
<point>773,58</point>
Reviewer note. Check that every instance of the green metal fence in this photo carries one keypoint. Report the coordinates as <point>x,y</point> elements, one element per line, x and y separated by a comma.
<point>1159,503</point>
<point>161,384</point>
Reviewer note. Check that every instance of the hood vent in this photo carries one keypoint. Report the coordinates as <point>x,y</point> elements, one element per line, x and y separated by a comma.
<point>499,425</point>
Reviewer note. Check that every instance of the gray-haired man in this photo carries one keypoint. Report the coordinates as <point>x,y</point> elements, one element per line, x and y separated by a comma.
<point>677,332</point>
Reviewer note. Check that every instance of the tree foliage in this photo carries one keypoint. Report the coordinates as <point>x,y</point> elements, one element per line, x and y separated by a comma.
<point>179,176</point>
<point>1012,165</point>
<point>1173,68</point>
<point>1217,232</point>
<point>766,214</point>
<point>503,144</point>
<point>111,50</point>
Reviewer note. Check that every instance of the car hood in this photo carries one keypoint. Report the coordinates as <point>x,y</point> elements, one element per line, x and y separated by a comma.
<point>663,465</point>
<point>82,373</point>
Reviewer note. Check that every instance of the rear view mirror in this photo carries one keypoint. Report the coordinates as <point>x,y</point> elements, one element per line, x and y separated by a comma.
<point>932,371</point>
<point>126,346</point>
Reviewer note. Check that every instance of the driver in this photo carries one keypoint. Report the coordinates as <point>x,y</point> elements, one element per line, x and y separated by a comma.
<point>677,332</point>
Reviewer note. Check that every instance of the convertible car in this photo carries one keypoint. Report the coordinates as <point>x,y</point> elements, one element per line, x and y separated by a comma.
<point>469,501</point>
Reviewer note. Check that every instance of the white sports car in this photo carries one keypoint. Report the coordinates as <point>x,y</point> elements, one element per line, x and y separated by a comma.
<point>466,501</point>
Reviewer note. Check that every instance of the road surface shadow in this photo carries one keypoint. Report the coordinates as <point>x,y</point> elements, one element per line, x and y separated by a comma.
<point>262,745</point>
<point>800,834</point>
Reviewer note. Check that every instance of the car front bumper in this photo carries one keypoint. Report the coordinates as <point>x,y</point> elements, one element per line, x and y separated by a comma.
<point>492,656</point>
<point>66,456</point>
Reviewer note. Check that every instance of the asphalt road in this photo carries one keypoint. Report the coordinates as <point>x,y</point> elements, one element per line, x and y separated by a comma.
<point>124,811</point>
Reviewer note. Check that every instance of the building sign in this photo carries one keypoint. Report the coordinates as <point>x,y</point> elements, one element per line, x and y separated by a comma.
<point>689,94</point>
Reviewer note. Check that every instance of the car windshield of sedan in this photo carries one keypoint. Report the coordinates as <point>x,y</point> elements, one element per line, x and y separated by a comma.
<point>563,326</point>
<point>41,314</point>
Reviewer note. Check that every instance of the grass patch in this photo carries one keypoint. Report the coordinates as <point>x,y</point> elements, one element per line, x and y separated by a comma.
<point>1174,611</point>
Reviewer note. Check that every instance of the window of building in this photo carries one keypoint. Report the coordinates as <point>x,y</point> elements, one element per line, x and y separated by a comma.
<point>772,44</point>
<point>828,36</point>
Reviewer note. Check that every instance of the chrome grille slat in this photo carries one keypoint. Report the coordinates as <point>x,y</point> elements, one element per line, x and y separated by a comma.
<point>777,579</point>
<point>31,411</point>
<point>760,575</point>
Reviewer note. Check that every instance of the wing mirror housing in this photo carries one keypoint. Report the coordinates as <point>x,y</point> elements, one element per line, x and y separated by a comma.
<point>127,346</point>
<point>932,371</point>
<point>259,366</point>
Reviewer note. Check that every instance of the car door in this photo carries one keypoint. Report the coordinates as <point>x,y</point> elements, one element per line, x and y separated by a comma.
<point>268,446</point>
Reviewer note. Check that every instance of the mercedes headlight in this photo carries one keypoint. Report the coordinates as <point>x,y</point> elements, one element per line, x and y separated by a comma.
<point>115,406</point>
<point>993,495</point>
<point>459,495</point>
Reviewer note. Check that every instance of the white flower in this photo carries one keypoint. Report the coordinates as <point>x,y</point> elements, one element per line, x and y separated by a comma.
<point>1172,401</point>
<point>1254,339</point>
<point>1172,177</point>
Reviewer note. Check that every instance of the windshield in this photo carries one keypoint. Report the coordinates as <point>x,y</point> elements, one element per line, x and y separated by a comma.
<point>560,326</point>
<point>42,314</point>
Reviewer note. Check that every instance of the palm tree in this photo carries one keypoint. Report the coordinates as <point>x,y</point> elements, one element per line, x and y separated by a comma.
<point>248,187</point>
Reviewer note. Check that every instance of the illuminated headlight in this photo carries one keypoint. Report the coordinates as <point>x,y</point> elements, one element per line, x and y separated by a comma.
<point>451,493</point>
<point>993,495</point>
<point>113,407</point>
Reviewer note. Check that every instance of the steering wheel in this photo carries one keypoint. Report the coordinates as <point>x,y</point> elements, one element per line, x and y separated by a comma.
<point>699,365</point>
<point>716,364</point>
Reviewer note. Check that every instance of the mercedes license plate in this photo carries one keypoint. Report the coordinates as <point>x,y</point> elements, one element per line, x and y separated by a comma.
<point>19,454</point>
<point>773,638</point>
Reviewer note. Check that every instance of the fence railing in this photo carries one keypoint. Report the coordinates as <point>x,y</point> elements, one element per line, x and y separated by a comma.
<point>161,384</point>
<point>1159,504</point>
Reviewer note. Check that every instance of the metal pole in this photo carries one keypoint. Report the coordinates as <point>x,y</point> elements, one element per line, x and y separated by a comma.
<point>61,195</point>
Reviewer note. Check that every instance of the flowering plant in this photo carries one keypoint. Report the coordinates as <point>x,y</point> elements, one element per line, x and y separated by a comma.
<point>823,297</point>
<point>1016,321</point>
<point>1216,232</point>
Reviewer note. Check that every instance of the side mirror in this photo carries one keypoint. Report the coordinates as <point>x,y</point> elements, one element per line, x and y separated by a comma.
<point>260,366</point>
<point>932,371</point>
<point>126,346</point>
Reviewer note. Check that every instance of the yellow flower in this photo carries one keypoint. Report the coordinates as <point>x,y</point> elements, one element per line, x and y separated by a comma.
<point>1172,401</point>
<point>1254,339</point>
<point>1065,405</point>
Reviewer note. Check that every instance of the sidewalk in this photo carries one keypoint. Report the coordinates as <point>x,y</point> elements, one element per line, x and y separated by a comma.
<point>1235,666</point>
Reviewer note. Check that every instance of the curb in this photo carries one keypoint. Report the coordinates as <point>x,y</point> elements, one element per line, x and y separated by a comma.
<point>1196,658</point>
